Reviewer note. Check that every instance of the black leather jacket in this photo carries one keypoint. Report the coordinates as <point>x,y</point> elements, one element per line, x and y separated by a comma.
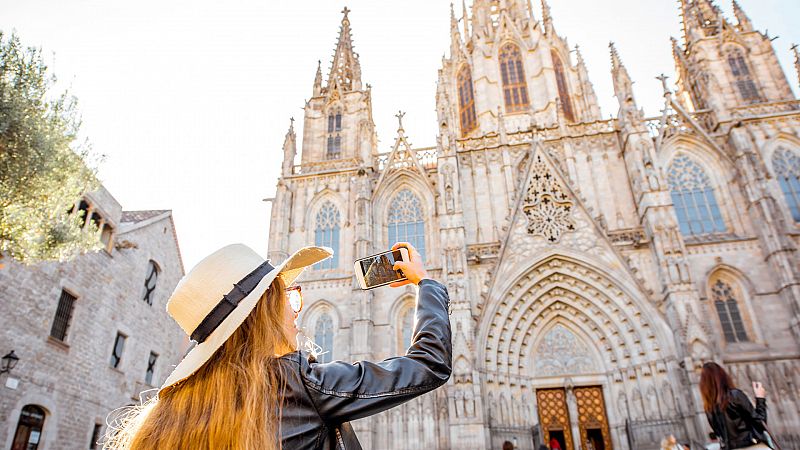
<point>320,399</point>
<point>741,424</point>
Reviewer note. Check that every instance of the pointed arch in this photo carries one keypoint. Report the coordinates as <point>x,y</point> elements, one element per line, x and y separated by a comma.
<point>694,198</point>
<point>563,87</point>
<point>406,220</point>
<point>512,74</point>
<point>466,100</point>
<point>729,293</point>
<point>387,190</point>
<point>786,167</point>
<point>324,223</point>
<point>562,349</point>
<point>320,322</point>
<point>323,336</point>
<point>402,320</point>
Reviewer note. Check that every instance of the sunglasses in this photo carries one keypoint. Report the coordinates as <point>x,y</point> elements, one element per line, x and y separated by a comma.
<point>295,296</point>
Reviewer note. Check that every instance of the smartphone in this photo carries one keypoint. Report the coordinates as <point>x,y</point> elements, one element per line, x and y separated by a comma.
<point>377,270</point>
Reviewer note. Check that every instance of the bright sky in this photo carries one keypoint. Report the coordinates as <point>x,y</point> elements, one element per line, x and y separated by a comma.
<point>190,100</point>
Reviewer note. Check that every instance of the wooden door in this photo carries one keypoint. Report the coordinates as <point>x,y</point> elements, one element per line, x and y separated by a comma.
<point>592,418</point>
<point>554,417</point>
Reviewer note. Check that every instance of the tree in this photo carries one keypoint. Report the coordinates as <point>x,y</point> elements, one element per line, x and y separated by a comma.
<point>43,169</point>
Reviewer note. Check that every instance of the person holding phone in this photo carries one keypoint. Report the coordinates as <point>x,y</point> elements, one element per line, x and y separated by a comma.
<point>732,417</point>
<point>244,385</point>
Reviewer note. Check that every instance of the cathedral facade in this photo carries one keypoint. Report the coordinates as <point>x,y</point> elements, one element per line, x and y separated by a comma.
<point>593,264</point>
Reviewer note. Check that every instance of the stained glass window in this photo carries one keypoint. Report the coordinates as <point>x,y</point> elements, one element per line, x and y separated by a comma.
<point>728,311</point>
<point>466,101</point>
<point>326,233</point>
<point>406,222</point>
<point>515,88</point>
<point>786,164</point>
<point>563,89</point>
<point>693,197</point>
<point>744,82</point>
<point>323,336</point>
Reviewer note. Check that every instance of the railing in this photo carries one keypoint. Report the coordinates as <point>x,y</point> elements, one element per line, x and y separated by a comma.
<point>647,434</point>
<point>760,109</point>
<point>426,156</point>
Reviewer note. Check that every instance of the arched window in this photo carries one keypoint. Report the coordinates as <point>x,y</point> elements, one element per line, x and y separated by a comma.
<point>326,233</point>
<point>741,73</point>
<point>724,297</point>
<point>786,164</point>
<point>406,221</point>
<point>466,101</point>
<point>150,282</point>
<point>406,329</point>
<point>693,197</point>
<point>29,428</point>
<point>323,336</point>
<point>334,147</point>
<point>515,88</point>
<point>563,89</point>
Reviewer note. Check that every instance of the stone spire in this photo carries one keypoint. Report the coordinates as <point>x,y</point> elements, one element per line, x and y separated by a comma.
<point>629,114</point>
<point>464,19</point>
<point>318,80</point>
<point>587,88</point>
<point>741,17</point>
<point>700,18</point>
<point>289,149</point>
<point>547,18</point>
<point>796,61</point>
<point>455,35</point>
<point>345,71</point>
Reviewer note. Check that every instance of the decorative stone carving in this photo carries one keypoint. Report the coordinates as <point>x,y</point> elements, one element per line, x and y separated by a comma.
<point>562,353</point>
<point>546,204</point>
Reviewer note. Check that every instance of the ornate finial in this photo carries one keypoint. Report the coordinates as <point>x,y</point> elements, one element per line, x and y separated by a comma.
<point>796,60</point>
<point>663,78</point>
<point>400,115</point>
<point>345,11</point>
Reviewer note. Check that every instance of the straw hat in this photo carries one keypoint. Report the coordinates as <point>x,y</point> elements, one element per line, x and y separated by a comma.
<point>216,296</point>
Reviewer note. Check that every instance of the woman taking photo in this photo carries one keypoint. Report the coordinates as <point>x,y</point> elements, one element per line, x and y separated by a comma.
<point>244,385</point>
<point>730,413</point>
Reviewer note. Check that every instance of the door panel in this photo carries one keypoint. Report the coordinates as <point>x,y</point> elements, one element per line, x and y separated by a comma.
<point>592,419</point>
<point>554,417</point>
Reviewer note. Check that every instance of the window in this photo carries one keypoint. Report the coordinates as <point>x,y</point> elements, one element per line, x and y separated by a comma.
<point>66,304</point>
<point>326,233</point>
<point>786,164</point>
<point>95,436</point>
<point>693,197</point>
<point>407,329</point>
<point>29,428</point>
<point>151,368</point>
<point>466,101</point>
<point>515,88</point>
<point>741,73</point>
<point>150,282</point>
<point>406,221</point>
<point>105,236</point>
<point>563,89</point>
<point>334,148</point>
<point>116,354</point>
<point>323,336</point>
<point>728,311</point>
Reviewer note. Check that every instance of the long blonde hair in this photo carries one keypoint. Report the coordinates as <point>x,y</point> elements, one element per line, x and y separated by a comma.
<point>232,402</point>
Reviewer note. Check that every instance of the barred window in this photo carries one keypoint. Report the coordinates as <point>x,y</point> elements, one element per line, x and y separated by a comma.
<point>151,368</point>
<point>563,88</point>
<point>116,353</point>
<point>515,88</point>
<point>334,141</point>
<point>66,304</point>
<point>323,336</point>
<point>728,311</point>
<point>150,282</point>
<point>741,73</point>
<point>693,197</point>
<point>406,222</point>
<point>786,164</point>
<point>466,101</point>
<point>326,234</point>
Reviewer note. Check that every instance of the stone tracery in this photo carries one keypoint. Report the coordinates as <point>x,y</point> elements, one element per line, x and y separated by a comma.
<point>546,203</point>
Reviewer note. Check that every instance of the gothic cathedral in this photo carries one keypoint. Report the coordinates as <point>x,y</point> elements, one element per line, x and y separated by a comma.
<point>593,264</point>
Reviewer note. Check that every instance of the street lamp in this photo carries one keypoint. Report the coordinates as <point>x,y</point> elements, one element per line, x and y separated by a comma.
<point>9,361</point>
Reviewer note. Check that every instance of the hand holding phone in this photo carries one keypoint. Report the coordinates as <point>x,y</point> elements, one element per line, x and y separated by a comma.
<point>759,390</point>
<point>413,269</point>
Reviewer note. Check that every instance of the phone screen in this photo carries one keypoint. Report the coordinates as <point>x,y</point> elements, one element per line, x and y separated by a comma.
<point>378,269</point>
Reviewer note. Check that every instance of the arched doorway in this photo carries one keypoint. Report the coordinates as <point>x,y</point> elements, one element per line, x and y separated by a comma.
<point>29,428</point>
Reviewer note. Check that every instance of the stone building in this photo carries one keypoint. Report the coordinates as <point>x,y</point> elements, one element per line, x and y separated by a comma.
<point>91,333</point>
<point>593,264</point>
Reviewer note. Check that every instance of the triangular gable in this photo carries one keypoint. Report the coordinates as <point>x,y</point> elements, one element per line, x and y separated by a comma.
<point>403,158</point>
<point>549,218</point>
